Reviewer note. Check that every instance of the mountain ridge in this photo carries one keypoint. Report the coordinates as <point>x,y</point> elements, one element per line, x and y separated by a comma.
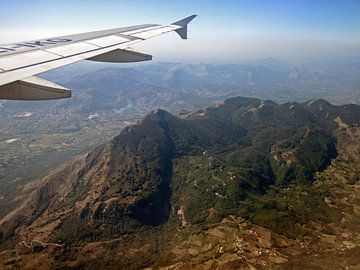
<point>171,173</point>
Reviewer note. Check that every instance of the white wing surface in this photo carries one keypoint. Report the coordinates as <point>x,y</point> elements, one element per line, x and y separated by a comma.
<point>19,62</point>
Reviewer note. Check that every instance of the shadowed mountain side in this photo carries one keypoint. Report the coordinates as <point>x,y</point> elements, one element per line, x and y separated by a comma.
<point>170,171</point>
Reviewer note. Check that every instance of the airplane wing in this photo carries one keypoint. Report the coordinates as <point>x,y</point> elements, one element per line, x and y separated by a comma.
<point>19,62</point>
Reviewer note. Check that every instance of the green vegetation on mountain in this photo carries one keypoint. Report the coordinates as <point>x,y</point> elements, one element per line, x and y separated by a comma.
<point>169,177</point>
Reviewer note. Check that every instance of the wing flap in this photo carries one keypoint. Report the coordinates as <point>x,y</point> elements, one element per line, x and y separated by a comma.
<point>121,56</point>
<point>33,88</point>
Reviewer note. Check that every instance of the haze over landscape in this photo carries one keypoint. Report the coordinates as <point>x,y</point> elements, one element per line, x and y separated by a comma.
<point>238,148</point>
<point>226,31</point>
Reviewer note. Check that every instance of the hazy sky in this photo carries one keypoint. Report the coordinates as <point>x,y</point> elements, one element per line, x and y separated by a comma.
<point>225,31</point>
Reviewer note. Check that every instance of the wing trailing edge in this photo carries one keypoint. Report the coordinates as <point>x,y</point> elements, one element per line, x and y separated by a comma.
<point>33,88</point>
<point>121,56</point>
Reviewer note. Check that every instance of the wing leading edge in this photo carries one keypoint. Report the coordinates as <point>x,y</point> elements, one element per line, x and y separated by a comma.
<point>19,62</point>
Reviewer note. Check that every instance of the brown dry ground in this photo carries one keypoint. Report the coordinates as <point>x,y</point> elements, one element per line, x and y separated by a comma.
<point>234,243</point>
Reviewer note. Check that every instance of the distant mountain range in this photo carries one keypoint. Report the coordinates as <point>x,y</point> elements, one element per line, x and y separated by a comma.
<point>108,97</point>
<point>172,190</point>
<point>174,87</point>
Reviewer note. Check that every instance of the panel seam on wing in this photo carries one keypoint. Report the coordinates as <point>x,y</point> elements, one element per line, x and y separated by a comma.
<point>143,30</point>
<point>53,54</point>
<point>92,44</point>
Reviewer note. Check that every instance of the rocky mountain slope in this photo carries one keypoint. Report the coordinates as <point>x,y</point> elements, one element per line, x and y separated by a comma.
<point>238,185</point>
<point>107,97</point>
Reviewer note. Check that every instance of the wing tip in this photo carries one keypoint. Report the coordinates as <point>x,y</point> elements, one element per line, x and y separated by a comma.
<point>183,31</point>
<point>184,22</point>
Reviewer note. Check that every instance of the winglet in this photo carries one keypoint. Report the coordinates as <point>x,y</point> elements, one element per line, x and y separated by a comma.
<point>183,23</point>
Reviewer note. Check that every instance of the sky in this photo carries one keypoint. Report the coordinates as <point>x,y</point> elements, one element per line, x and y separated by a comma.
<point>225,30</point>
